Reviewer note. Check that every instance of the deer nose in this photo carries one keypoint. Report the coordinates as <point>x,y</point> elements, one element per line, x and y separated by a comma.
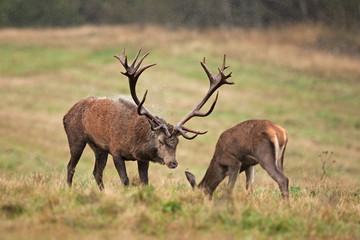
<point>173,165</point>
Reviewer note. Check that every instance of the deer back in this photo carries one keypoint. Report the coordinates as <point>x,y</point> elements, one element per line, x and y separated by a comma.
<point>112,125</point>
<point>243,139</point>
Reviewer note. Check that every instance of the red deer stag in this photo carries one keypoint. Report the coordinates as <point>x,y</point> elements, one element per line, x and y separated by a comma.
<point>239,149</point>
<point>128,131</point>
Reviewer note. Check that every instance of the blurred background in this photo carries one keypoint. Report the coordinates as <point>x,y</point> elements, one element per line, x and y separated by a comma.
<point>193,14</point>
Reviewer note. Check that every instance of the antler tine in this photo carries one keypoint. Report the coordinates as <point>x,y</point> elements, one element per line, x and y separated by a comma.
<point>133,74</point>
<point>223,66</point>
<point>135,59</point>
<point>183,133</point>
<point>139,108</point>
<point>208,73</point>
<point>192,131</point>
<point>216,81</point>
<point>132,70</point>
<point>122,58</point>
<point>137,74</point>
<point>142,111</point>
<point>211,108</point>
<point>180,126</point>
<point>141,59</point>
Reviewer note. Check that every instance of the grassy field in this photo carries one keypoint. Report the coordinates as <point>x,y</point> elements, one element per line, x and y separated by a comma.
<point>306,79</point>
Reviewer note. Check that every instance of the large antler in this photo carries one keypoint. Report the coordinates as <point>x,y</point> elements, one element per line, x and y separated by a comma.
<point>133,72</point>
<point>215,82</point>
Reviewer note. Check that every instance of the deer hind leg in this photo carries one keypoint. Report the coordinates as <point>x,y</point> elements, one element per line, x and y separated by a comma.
<point>76,150</point>
<point>250,173</point>
<point>280,178</point>
<point>266,155</point>
<point>121,169</point>
<point>143,168</point>
<point>281,160</point>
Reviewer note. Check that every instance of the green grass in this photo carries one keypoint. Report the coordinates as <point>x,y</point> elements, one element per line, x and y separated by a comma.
<point>31,60</point>
<point>42,75</point>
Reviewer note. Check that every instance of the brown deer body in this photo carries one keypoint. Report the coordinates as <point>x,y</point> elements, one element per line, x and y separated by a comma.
<point>128,131</point>
<point>113,127</point>
<point>239,149</point>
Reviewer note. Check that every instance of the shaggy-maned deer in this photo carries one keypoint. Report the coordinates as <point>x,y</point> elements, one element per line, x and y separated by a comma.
<point>128,131</point>
<point>239,149</point>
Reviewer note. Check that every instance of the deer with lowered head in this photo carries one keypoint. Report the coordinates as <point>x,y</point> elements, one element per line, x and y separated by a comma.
<point>239,149</point>
<point>128,131</point>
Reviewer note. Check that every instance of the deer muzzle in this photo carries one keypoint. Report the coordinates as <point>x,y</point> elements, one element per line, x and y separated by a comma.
<point>171,163</point>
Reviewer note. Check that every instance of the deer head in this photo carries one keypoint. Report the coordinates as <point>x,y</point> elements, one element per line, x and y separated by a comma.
<point>165,134</point>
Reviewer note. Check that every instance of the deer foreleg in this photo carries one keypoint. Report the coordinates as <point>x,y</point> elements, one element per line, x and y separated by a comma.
<point>143,168</point>
<point>250,172</point>
<point>121,169</point>
<point>233,172</point>
<point>100,163</point>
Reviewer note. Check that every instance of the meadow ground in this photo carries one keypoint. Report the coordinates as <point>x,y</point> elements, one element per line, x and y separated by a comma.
<point>304,78</point>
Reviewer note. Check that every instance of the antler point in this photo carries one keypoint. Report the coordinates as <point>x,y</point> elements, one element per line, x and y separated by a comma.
<point>215,82</point>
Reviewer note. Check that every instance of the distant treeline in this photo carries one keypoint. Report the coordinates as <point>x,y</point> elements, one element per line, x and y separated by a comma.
<point>188,13</point>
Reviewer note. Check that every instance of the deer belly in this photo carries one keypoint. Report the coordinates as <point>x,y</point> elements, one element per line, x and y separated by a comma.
<point>99,140</point>
<point>249,160</point>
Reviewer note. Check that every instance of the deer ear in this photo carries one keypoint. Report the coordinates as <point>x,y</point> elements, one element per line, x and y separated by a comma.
<point>191,178</point>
